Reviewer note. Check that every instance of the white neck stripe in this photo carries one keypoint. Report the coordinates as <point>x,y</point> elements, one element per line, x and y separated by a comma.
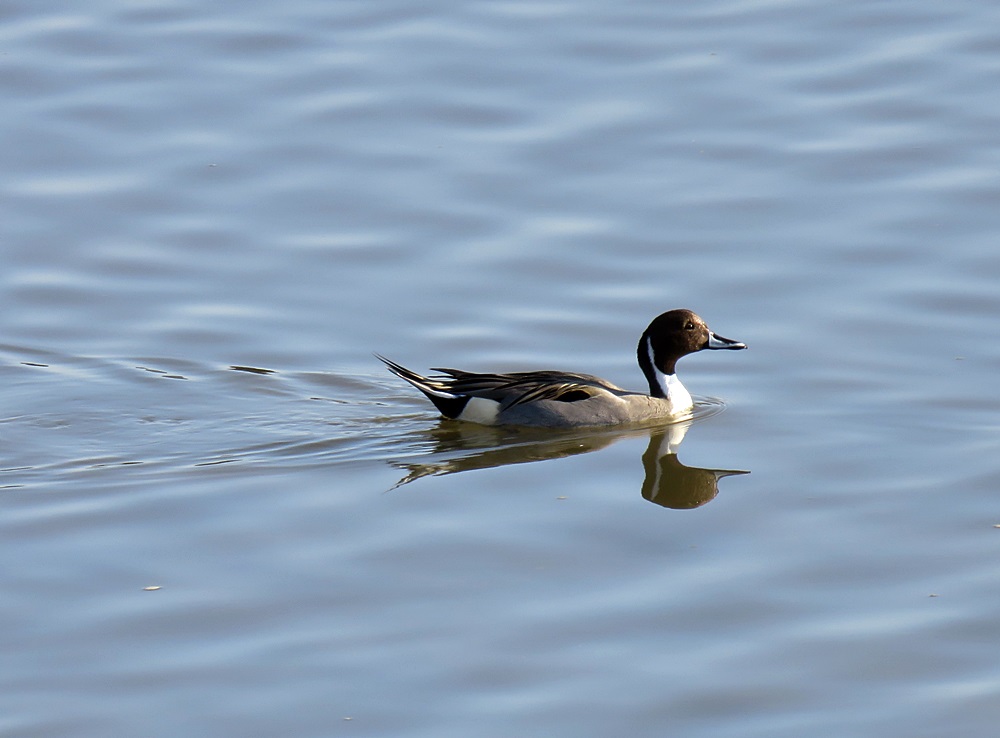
<point>674,392</point>
<point>662,381</point>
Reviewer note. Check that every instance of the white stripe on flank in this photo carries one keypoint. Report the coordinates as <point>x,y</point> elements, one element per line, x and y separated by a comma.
<point>480,410</point>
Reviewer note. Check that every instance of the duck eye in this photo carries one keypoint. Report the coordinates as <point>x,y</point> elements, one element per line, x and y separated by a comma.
<point>689,326</point>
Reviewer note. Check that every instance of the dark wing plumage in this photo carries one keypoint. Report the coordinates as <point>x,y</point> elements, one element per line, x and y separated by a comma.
<point>451,389</point>
<point>518,388</point>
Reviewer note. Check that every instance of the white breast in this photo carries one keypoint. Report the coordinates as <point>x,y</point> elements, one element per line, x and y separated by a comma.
<point>677,394</point>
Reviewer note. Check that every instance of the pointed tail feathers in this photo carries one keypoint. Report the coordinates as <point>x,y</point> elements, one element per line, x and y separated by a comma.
<point>448,403</point>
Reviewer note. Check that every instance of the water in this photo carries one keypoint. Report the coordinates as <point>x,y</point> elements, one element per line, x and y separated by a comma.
<point>209,219</point>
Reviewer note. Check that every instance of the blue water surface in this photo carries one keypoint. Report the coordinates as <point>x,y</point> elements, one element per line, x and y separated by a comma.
<point>221,517</point>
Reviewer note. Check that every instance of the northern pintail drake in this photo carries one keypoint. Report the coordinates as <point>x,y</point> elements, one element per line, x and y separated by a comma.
<point>558,399</point>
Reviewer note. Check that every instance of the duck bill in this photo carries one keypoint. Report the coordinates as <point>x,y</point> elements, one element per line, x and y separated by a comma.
<point>716,341</point>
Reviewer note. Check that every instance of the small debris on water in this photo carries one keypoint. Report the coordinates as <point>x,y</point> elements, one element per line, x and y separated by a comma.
<point>251,369</point>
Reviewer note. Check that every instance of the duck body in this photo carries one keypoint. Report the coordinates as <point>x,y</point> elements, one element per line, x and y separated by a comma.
<point>558,399</point>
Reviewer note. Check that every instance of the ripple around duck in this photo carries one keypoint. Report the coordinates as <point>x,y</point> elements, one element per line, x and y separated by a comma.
<point>125,417</point>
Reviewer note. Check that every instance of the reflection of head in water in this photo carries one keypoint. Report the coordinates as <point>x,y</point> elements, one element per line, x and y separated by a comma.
<point>671,484</point>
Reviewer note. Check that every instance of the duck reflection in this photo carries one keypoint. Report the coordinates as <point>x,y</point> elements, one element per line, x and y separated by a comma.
<point>458,447</point>
<point>671,484</point>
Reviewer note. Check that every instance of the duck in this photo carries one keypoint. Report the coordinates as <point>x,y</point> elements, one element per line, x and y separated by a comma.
<point>559,399</point>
